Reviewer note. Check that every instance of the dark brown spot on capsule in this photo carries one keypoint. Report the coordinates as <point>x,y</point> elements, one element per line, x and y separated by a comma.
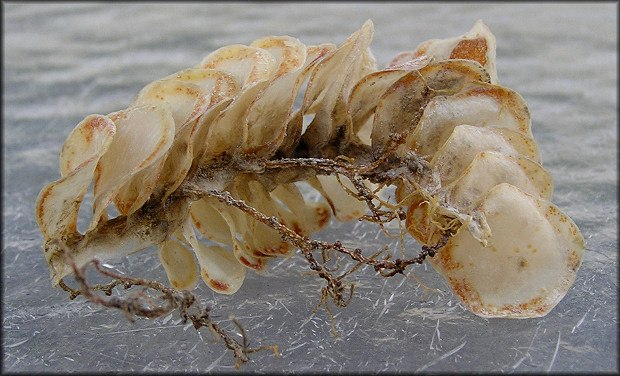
<point>217,285</point>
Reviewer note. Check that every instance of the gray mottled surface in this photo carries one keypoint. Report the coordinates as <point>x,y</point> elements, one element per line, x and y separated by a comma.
<point>65,61</point>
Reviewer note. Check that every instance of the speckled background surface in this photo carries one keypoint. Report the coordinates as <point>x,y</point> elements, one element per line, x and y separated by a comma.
<point>65,61</point>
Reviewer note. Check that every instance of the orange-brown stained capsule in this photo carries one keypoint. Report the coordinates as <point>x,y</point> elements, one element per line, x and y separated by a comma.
<point>473,49</point>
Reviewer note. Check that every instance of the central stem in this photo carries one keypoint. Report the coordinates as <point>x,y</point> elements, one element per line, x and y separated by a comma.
<point>157,219</point>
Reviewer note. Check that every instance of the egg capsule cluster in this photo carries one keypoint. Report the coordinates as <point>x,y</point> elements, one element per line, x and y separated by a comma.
<point>510,253</point>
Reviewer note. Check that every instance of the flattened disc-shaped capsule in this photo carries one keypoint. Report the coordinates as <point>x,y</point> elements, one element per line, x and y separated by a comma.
<point>408,61</point>
<point>249,64</point>
<point>294,128</point>
<point>294,125</point>
<point>161,178</point>
<point>164,176</point>
<point>263,241</point>
<point>199,135</point>
<point>304,218</point>
<point>178,162</point>
<point>478,44</point>
<point>393,114</point>
<point>402,105</point>
<point>267,116</point>
<point>368,63</point>
<point>465,142</point>
<point>230,127</point>
<point>318,216</point>
<point>344,206</point>
<point>58,203</point>
<point>291,197</point>
<point>143,135</point>
<point>217,85</point>
<point>329,88</point>
<point>480,104</point>
<point>294,211</point>
<point>209,222</point>
<point>489,169</point>
<point>366,94</point>
<point>187,101</point>
<point>529,262</point>
<point>219,269</point>
<point>260,239</point>
<point>524,145</point>
<point>179,264</point>
<point>289,53</point>
<point>134,193</point>
<point>90,138</point>
<point>453,76</point>
<point>508,107</point>
<point>237,223</point>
